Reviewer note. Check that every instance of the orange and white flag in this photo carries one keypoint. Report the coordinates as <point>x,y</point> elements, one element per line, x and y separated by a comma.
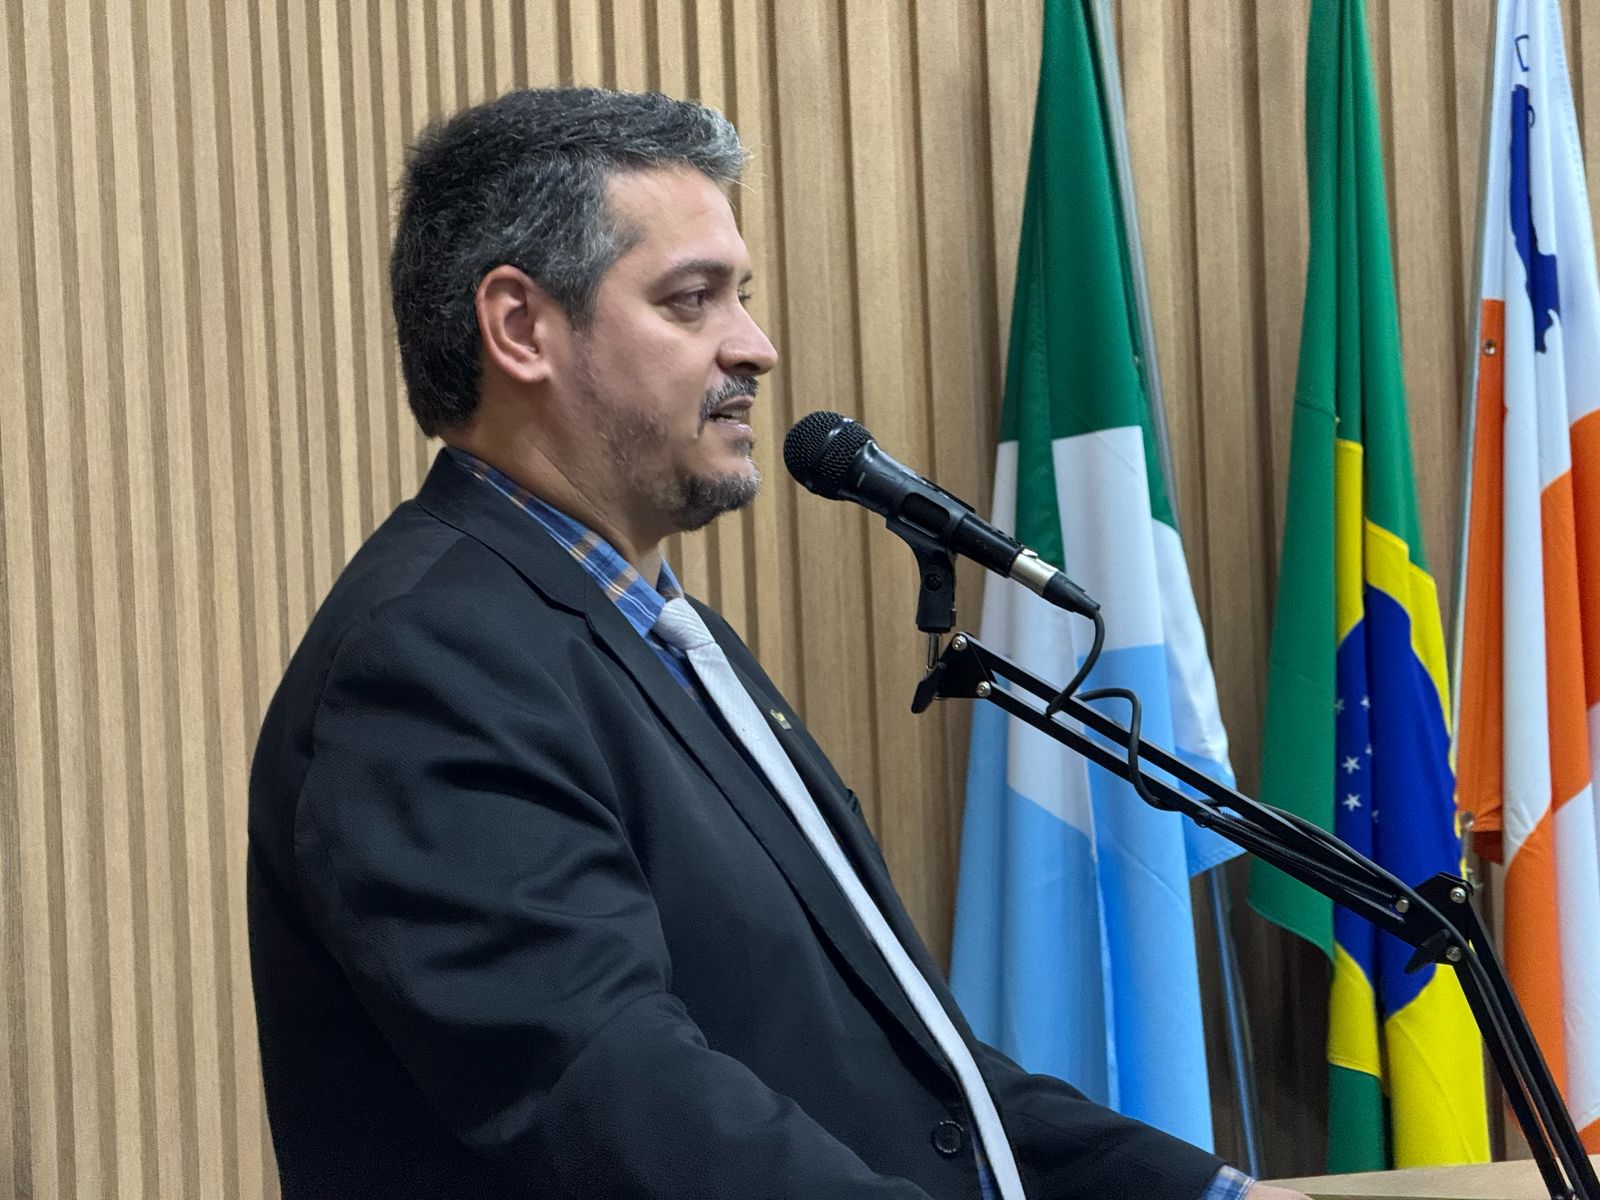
<point>1528,681</point>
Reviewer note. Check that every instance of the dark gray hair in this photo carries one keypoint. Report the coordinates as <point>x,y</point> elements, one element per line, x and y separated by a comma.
<point>522,181</point>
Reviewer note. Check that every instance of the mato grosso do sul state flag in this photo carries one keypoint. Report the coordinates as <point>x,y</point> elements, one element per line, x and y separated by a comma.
<point>1529,679</point>
<point>1074,941</point>
<point>1357,729</point>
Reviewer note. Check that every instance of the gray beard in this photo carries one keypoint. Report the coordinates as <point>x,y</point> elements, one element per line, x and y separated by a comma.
<point>700,500</point>
<point>690,501</point>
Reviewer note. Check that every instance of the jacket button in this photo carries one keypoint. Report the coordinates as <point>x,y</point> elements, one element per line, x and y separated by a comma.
<point>947,1137</point>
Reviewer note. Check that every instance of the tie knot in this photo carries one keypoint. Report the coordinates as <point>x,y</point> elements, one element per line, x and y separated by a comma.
<point>679,625</point>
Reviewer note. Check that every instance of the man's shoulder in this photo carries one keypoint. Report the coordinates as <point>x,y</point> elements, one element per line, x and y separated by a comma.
<point>412,550</point>
<point>412,553</point>
<point>417,569</point>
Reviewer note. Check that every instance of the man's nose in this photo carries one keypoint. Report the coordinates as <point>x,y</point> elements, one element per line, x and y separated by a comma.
<point>748,350</point>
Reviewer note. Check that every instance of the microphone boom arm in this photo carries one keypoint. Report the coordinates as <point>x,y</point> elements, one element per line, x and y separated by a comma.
<point>1435,918</point>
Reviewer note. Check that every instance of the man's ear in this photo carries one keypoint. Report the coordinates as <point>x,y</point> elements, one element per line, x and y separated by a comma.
<point>519,324</point>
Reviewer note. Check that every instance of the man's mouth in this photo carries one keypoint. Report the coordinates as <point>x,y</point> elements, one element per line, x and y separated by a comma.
<point>731,403</point>
<point>733,412</point>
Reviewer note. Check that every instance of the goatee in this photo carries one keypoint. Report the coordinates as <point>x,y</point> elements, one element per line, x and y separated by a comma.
<point>702,500</point>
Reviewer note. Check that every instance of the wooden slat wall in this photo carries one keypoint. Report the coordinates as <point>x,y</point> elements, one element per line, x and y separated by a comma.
<point>200,418</point>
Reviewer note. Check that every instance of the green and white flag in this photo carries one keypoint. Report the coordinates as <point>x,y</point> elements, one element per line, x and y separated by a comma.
<point>1074,940</point>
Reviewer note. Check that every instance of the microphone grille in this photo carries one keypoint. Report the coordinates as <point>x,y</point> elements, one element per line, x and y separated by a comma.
<point>819,449</point>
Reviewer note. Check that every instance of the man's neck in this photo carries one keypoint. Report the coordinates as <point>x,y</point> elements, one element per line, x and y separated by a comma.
<point>526,464</point>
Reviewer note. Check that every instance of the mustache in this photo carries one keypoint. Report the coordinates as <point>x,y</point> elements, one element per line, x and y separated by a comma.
<point>732,388</point>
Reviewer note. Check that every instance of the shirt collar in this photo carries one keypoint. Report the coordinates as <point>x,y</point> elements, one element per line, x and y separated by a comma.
<point>640,603</point>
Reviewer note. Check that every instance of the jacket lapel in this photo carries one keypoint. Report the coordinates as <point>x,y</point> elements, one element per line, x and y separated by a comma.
<point>838,804</point>
<point>765,816</point>
<point>456,497</point>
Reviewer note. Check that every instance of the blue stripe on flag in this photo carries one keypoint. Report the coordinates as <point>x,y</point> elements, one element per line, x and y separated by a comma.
<point>1025,930</point>
<point>1078,959</point>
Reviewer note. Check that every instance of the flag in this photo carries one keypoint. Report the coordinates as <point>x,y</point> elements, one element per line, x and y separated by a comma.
<point>1357,728</point>
<point>1529,682</point>
<point>1074,945</point>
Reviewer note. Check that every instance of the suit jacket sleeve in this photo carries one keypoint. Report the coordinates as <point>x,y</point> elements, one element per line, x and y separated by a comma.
<point>1067,1145</point>
<point>461,854</point>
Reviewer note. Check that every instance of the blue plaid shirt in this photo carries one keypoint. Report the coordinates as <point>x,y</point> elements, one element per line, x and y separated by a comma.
<point>639,601</point>
<point>641,604</point>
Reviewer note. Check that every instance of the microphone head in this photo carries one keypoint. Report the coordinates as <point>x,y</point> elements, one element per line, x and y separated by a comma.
<point>819,449</point>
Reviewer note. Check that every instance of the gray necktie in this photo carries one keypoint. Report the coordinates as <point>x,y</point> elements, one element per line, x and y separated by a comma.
<point>679,625</point>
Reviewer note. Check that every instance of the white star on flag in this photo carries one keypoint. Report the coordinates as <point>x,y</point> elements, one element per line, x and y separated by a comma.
<point>1366,702</point>
<point>1338,704</point>
<point>1352,765</point>
<point>1352,801</point>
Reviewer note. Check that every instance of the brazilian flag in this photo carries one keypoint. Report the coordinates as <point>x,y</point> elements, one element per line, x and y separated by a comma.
<point>1357,733</point>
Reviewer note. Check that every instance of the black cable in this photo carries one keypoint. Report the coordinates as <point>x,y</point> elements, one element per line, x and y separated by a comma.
<point>1298,824</point>
<point>1066,693</point>
<point>1135,714</point>
<point>1136,710</point>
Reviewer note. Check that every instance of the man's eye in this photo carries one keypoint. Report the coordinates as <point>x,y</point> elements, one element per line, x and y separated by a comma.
<point>692,301</point>
<point>744,297</point>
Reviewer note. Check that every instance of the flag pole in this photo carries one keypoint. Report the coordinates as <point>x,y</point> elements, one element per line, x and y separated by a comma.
<point>1469,410</point>
<point>1471,866</point>
<point>1241,1054</point>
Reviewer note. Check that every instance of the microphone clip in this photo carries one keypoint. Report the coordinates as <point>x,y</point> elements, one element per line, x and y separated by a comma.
<point>936,580</point>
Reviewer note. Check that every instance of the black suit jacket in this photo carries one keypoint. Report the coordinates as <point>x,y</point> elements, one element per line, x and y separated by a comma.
<point>524,922</point>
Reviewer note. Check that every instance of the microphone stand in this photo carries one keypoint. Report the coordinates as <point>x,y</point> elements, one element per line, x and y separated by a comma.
<point>1434,918</point>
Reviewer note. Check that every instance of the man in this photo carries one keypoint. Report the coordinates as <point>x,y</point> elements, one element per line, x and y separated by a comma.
<point>534,910</point>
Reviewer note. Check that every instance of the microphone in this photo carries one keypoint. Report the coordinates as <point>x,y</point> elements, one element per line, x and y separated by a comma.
<point>836,458</point>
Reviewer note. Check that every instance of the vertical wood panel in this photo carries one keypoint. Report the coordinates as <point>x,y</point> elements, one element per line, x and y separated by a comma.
<point>1155,81</point>
<point>885,231</point>
<point>670,32</point>
<point>627,46</point>
<point>205,418</point>
<point>952,409</point>
<point>501,32</point>
<point>1233,542</point>
<point>253,483</point>
<point>448,60</point>
<point>1281,36</point>
<point>16,1141</point>
<point>771,527</point>
<point>586,46</point>
<point>419,104</point>
<point>821,310</point>
<point>158,1007</point>
<point>542,41</point>
<point>389,94</point>
<point>312,392</point>
<point>1013,80</point>
<point>280,314</point>
<point>1430,267</point>
<point>476,61</point>
<point>108,540</point>
<point>365,163</point>
<point>60,380</point>
<point>210,237</point>
<point>185,624</point>
<point>44,1155</point>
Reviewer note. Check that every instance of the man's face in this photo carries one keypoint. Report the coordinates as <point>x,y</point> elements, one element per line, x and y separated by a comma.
<point>665,373</point>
